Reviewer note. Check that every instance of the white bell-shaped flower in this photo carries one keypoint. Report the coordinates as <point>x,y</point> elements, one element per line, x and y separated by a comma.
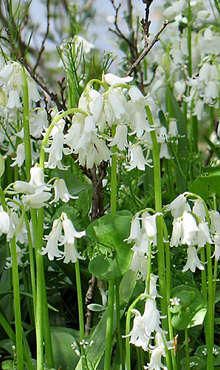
<point>189,229</point>
<point>215,221</point>
<point>53,239</point>
<point>139,264</point>
<point>178,206</point>
<point>199,209</point>
<point>112,79</point>
<point>120,137</point>
<point>61,191</point>
<point>4,221</point>
<point>135,231</point>
<point>176,233</point>
<point>137,159</point>
<point>193,260</point>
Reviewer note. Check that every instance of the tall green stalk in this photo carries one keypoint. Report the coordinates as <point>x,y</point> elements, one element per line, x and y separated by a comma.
<point>193,123</point>
<point>31,260</point>
<point>158,208</point>
<point>113,176</point>
<point>27,142</point>
<point>159,222</point>
<point>118,319</point>
<point>187,349</point>
<point>39,296</point>
<point>210,312</point>
<point>17,307</point>
<point>80,299</point>
<point>109,325</point>
<point>111,283</point>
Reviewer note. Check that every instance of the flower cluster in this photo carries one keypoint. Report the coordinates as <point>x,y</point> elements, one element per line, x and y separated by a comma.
<point>158,351</point>
<point>145,325</point>
<point>12,76</point>
<point>204,88</point>
<point>119,105</point>
<point>35,192</point>
<point>113,116</point>
<point>145,328</point>
<point>34,195</point>
<point>63,234</point>
<point>143,234</point>
<point>193,226</point>
<point>198,88</point>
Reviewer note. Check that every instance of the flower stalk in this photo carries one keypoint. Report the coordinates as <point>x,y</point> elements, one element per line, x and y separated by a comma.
<point>111,283</point>
<point>27,142</point>
<point>17,307</point>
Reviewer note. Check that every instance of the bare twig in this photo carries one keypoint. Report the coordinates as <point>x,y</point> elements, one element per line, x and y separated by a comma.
<point>44,39</point>
<point>146,22</point>
<point>118,32</point>
<point>147,49</point>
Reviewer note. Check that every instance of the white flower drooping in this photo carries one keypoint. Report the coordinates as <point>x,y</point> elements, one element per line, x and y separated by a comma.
<point>63,234</point>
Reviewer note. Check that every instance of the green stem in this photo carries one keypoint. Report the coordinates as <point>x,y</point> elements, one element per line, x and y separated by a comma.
<point>17,307</point>
<point>27,142</point>
<point>31,260</point>
<point>169,285</point>
<point>158,208</point>
<point>39,314</point>
<point>110,309</point>
<point>189,39</point>
<point>113,176</point>
<point>109,325</point>
<point>187,349</point>
<point>203,276</point>
<point>46,327</point>
<point>118,318</point>
<point>215,274</point>
<point>42,315</point>
<point>149,268</point>
<point>159,221</point>
<point>26,281</point>
<point>80,299</point>
<point>210,312</point>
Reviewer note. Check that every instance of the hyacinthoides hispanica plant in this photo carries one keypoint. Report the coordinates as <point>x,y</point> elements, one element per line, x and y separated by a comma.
<point>115,135</point>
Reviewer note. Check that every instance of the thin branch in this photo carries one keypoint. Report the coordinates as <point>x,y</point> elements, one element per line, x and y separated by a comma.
<point>118,31</point>
<point>147,49</point>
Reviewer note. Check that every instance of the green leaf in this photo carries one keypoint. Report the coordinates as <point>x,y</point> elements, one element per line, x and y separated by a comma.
<point>96,307</point>
<point>193,307</point>
<point>200,352</point>
<point>207,185</point>
<point>162,118</point>
<point>194,359</point>
<point>213,146</point>
<point>64,356</point>
<point>9,364</point>
<point>114,255</point>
